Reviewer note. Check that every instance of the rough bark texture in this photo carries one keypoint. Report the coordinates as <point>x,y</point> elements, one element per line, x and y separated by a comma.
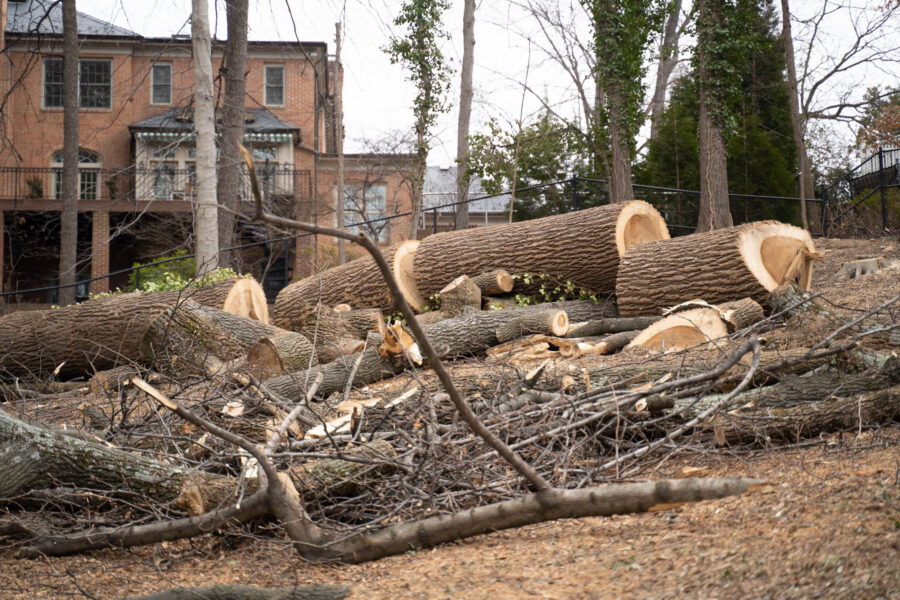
<point>246,592</point>
<point>668,58</point>
<point>365,320</point>
<point>706,266</point>
<point>579,247</point>
<point>357,283</point>
<point>465,114</point>
<point>613,325</point>
<point>460,294</point>
<point>742,313</point>
<point>186,335</point>
<point>548,322</point>
<point>797,127</point>
<point>714,204</point>
<point>228,188</point>
<point>493,283</point>
<point>68,216</point>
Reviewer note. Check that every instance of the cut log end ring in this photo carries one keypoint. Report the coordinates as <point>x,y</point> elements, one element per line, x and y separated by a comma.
<point>639,222</point>
<point>778,254</point>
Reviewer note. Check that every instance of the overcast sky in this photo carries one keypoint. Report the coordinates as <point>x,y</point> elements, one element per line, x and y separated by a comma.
<point>377,98</point>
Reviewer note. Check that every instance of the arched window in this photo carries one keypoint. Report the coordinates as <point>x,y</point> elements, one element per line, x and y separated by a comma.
<point>88,174</point>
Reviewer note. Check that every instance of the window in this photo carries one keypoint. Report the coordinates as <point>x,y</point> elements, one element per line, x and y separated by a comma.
<point>274,76</point>
<point>88,175</point>
<point>94,83</point>
<point>363,204</point>
<point>53,83</point>
<point>161,84</point>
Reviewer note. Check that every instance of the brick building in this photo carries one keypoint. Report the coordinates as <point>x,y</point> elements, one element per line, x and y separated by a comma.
<point>136,155</point>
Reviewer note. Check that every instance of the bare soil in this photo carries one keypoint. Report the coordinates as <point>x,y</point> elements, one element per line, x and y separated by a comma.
<point>827,525</point>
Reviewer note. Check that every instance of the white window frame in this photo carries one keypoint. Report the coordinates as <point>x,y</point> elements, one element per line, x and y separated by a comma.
<point>266,68</point>
<point>153,82</point>
<point>86,171</point>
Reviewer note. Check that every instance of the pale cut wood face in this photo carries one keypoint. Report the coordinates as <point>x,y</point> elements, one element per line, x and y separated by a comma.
<point>639,222</point>
<point>403,272</point>
<point>777,253</point>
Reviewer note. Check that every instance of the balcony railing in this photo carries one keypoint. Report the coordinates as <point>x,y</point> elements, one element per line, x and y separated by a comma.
<point>159,183</point>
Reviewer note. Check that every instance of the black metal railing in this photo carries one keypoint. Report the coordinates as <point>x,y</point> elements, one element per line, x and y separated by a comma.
<point>866,199</point>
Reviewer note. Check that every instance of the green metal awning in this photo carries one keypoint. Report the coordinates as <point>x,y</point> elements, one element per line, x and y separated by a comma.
<point>171,136</point>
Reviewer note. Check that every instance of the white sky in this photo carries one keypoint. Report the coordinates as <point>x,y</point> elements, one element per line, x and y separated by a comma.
<point>377,98</point>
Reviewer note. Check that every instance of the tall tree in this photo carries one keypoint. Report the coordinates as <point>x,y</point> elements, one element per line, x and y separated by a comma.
<point>418,50</point>
<point>668,58</point>
<point>623,30</point>
<point>229,185</point>
<point>206,216</point>
<point>465,115</point>
<point>68,230</point>
<point>339,139</point>
<point>714,84</point>
<point>797,124</point>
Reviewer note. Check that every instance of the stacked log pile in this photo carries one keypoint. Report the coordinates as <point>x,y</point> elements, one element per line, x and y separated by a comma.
<point>699,324</point>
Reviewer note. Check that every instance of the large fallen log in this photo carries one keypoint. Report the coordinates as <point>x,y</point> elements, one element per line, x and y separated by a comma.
<point>187,335</point>
<point>358,283</point>
<point>747,261</point>
<point>683,330</point>
<point>582,247</point>
<point>102,333</point>
<point>246,592</point>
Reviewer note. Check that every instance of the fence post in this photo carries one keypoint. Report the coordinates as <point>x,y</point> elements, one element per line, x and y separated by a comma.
<point>824,195</point>
<point>575,192</point>
<point>434,221</point>
<point>881,187</point>
<point>137,278</point>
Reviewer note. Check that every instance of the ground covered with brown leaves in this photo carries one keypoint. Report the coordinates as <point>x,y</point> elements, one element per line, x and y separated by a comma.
<point>827,525</point>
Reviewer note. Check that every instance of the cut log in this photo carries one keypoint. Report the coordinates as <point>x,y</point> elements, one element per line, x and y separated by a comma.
<point>365,320</point>
<point>582,247</point>
<point>494,283</point>
<point>459,294</point>
<point>185,336</point>
<point>741,313</point>
<point>98,334</point>
<point>682,330</point>
<point>245,592</point>
<point>612,325</point>
<point>747,261</point>
<point>358,283</point>
<point>548,322</point>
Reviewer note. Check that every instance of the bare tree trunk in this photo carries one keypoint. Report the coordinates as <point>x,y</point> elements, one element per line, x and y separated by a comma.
<point>668,58</point>
<point>68,230</point>
<point>229,185</point>
<point>796,119</point>
<point>206,219</point>
<point>465,114</point>
<point>339,142</point>
<point>714,207</point>
<point>620,186</point>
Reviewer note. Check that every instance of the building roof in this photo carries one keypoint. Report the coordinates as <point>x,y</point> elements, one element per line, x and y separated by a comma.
<point>259,126</point>
<point>45,17</point>
<point>439,189</point>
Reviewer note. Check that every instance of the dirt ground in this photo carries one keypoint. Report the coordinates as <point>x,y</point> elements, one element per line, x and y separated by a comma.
<point>827,525</point>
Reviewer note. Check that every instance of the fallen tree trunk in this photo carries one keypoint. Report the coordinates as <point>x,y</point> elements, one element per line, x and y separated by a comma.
<point>246,592</point>
<point>682,330</point>
<point>582,247</point>
<point>612,325</point>
<point>185,336</point>
<point>358,283</point>
<point>99,334</point>
<point>494,283</point>
<point>747,261</point>
<point>547,322</point>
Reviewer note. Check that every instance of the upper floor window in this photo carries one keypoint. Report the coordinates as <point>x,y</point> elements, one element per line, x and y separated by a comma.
<point>274,76</point>
<point>366,204</point>
<point>94,83</point>
<point>161,83</point>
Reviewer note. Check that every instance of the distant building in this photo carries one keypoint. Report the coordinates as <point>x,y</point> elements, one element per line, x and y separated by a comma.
<point>439,198</point>
<point>137,153</point>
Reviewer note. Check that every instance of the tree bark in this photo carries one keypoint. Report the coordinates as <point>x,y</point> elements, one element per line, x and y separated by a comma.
<point>548,322</point>
<point>357,283</point>
<point>715,210</point>
<point>68,226</point>
<point>229,185</point>
<point>206,217</point>
<point>465,114</point>
<point>95,335</point>
<point>458,295</point>
<point>797,124</point>
<point>246,592</point>
<point>620,185</point>
<point>493,283</point>
<point>668,58</point>
<point>582,247</point>
<point>747,261</point>
<point>611,325</point>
